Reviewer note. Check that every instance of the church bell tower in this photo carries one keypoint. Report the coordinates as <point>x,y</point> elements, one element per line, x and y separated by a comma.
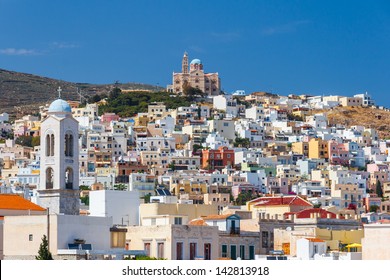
<point>184,64</point>
<point>59,167</point>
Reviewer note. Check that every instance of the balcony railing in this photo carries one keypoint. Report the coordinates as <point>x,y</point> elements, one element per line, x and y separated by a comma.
<point>234,230</point>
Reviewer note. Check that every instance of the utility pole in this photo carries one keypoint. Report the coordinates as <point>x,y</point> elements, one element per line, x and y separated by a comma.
<point>48,228</point>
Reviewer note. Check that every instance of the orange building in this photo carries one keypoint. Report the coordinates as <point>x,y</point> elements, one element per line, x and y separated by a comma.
<point>217,159</point>
<point>318,148</point>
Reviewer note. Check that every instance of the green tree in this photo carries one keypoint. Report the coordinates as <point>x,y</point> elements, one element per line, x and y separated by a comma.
<point>379,190</point>
<point>25,141</point>
<point>191,93</point>
<point>147,198</point>
<point>171,166</point>
<point>85,200</point>
<point>115,92</point>
<point>120,187</point>
<point>35,141</point>
<point>43,252</point>
<point>318,205</point>
<point>373,208</point>
<point>242,142</point>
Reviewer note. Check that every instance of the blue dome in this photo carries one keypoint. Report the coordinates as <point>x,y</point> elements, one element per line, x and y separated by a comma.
<point>60,105</point>
<point>196,61</point>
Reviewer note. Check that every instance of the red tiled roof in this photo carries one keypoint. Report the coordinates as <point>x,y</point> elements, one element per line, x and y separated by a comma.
<point>323,213</point>
<point>275,201</point>
<point>16,202</point>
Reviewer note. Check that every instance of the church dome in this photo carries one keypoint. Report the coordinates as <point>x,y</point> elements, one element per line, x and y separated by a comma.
<point>196,61</point>
<point>60,105</point>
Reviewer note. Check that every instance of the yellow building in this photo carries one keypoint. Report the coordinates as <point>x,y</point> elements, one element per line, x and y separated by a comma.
<point>286,240</point>
<point>141,120</point>
<point>321,175</point>
<point>300,148</point>
<point>195,190</point>
<point>318,148</point>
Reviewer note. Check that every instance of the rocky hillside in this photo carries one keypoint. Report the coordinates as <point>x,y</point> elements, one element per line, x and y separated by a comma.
<point>367,117</point>
<point>22,93</point>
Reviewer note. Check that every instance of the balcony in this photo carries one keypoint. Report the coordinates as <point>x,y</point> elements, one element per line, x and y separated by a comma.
<point>234,230</point>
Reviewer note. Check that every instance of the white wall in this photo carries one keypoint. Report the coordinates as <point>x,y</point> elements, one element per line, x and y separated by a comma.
<point>120,205</point>
<point>94,230</point>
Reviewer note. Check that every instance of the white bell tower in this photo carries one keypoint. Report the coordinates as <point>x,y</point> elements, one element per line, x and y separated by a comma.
<point>59,166</point>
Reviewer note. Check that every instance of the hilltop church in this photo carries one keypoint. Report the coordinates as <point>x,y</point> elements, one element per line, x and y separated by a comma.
<point>195,76</point>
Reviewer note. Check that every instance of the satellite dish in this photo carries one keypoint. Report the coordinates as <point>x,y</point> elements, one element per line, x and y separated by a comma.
<point>288,228</point>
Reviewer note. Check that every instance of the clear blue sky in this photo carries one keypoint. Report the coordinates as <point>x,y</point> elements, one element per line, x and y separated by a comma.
<point>312,47</point>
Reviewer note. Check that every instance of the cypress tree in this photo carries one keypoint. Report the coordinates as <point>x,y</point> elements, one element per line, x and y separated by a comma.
<point>43,252</point>
<point>379,190</point>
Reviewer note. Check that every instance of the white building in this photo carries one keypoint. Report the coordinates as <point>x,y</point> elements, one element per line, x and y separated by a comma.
<point>144,183</point>
<point>255,113</point>
<point>367,101</point>
<point>122,206</point>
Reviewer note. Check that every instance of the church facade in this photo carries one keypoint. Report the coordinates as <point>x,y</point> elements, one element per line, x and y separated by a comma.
<point>194,75</point>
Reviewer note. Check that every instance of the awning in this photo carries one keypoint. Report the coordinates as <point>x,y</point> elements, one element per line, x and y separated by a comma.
<point>354,245</point>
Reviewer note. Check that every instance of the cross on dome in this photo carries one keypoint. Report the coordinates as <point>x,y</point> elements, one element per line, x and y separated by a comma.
<point>59,92</point>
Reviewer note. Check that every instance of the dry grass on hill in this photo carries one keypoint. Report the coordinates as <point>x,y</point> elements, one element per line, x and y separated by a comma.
<point>367,117</point>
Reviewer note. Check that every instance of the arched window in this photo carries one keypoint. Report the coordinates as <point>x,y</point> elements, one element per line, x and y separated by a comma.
<point>68,145</point>
<point>69,178</point>
<point>52,145</point>
<point>71,145</point>
<point>47,145</point>
<point>49,178</point>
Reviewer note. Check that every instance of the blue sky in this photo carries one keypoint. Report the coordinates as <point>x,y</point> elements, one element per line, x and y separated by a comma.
<point>301,47</point>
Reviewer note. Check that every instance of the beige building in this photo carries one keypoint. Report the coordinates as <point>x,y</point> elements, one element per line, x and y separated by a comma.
<point>376,241</point>
<point>192,211</point>
<point>209,83</point>
<point>173,241</point>
<point>350,101</point>
<point>277,205</point>
<point>23,235</point>
<point>282,233</point>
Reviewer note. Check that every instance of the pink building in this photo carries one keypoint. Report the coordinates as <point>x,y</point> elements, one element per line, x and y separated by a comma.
<point>109,117</point>
<point>277,185</point>
<point>243,187</point>
<point>338,153</point>
<point>374,167</point>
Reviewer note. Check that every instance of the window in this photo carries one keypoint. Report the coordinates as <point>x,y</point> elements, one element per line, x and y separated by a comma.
<point>207,251</point>
<point>224,251</point>
<point>251,252</point>
<point>30,237</point>
<point>160,250</point>
<point>264,239</point>
<point>147,248</point>
<point>192,251</point>
<point>179,250</point>
<point>242,252</point>
<point>178,220</point>
<point>233,252</point>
